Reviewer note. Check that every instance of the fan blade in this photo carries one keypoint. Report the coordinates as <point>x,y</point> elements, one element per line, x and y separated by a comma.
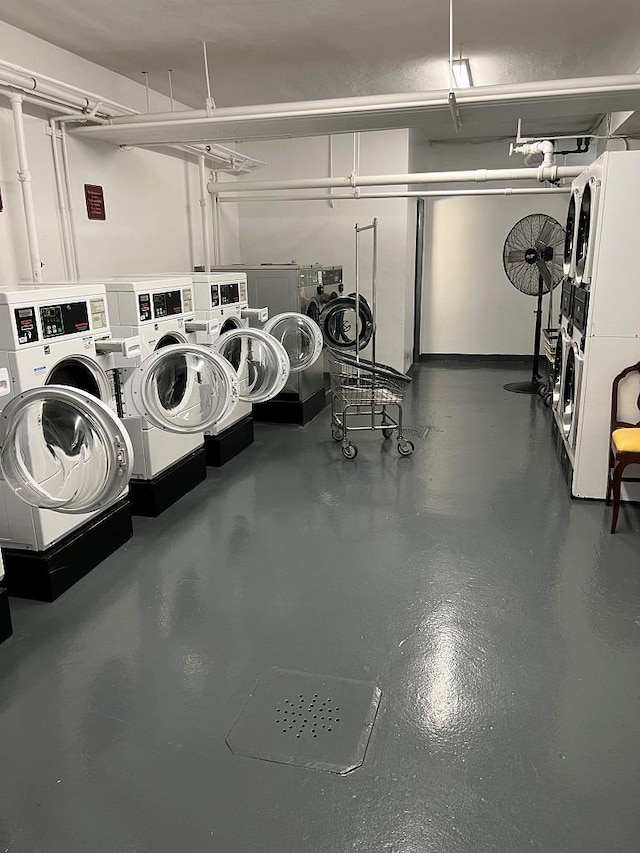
<point>546,231</point>
<point>546,275</point>
<point>515,256</point>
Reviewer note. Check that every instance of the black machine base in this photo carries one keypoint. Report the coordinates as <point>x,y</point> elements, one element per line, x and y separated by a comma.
<point>290,409</point>
<point>6,629</point>
<point>528,387</point>
<point>561,452</point>
<point>45,575</point>
<point>221,448</point>
<point>152,497</point>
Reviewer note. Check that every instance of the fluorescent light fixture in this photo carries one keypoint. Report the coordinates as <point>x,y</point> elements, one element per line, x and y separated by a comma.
<point>462,73</point>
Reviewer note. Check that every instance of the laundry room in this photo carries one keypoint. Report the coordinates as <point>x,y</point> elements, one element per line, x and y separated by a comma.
<point>319,426</point>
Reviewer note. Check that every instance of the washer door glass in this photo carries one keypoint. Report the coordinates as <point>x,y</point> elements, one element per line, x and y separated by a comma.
<point>569,235</point>
<point>63,449</point>
<point>584,233</point>
<point>184,388</point>
<point>301,337</point>
<point>260,361</point>
<point>345,327</point>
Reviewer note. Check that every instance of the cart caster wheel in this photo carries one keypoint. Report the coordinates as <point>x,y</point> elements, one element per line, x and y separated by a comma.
<point>405,447</point>
<point>336,433</point>
<point>349,451</point>
<point>548,400</point>
<point>542,390</point>
<point>387,433</point>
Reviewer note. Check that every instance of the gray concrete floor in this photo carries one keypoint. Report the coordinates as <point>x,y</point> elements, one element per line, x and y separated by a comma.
<point>500,619</point>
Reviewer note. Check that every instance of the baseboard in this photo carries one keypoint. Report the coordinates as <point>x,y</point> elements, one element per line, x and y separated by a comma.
<point>220,449</point>
<point>6,628</point>
<point>152,497</point>
<point>476,358</point>
<point>290,409</point>
<point>45,575</point>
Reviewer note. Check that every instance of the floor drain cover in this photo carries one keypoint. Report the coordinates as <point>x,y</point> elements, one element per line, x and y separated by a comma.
<point>307,720</point>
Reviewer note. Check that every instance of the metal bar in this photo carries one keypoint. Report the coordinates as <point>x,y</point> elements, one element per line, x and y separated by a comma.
<point>419,273</point>
<point>365,227</point>
<point>374,284</point>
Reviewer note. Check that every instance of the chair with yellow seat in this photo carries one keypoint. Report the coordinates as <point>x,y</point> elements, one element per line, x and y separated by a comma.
<point>624,448</point>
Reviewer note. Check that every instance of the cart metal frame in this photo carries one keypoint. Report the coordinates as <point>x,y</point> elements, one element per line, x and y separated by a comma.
<point>362,391</point>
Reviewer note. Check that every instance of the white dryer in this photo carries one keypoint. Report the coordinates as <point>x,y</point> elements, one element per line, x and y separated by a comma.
<point>191,389</point>
<point>65,457</point>
<point>603,333</point>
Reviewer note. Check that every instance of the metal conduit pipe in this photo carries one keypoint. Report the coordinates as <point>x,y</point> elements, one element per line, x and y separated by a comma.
<point>541,173</point>
<point>408,194</point>
<point>24,176</point>
<point>62,203</point>
<point>204,214</point>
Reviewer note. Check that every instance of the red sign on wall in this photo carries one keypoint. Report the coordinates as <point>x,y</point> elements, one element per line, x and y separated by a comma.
<point>94,198</point>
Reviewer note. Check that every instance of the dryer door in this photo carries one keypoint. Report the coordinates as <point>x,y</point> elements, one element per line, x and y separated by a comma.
<point>301,337</point>
<point>260,361</point>
<point>184,388</point>
<point>63,449</point>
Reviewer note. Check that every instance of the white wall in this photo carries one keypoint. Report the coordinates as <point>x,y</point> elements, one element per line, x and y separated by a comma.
<point>469,304</point>
<point>313,232</point>
<point>151,200</point>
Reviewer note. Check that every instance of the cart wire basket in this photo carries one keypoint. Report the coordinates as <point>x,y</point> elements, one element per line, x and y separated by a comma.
<point>366,396</point>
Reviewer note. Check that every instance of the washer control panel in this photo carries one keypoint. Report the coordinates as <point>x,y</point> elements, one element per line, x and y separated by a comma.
<point>167,303</point>
<point>66,319</point>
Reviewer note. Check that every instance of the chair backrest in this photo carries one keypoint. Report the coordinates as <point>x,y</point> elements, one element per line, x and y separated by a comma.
<point>615,389</point>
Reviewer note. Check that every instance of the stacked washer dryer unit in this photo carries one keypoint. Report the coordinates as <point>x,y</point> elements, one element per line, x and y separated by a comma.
<point>190,389</point>
<point>286,289</point>
<point>600,321</point>
<point>65,456</point>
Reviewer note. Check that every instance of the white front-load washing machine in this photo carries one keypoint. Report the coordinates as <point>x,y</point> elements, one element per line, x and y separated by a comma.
<point>193,388</point>
<point>65,456</point>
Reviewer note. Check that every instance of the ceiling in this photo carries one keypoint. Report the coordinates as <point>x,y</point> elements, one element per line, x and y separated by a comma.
<point>267,51</point>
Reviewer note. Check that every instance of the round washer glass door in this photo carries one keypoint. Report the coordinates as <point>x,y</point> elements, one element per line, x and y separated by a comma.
<point>184,388</point>
<point>259,360</point>
<point>63,449</point>
<point>301,337</point>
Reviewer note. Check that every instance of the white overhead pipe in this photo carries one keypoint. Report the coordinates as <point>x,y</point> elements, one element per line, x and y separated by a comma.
<point>204,214</point>
<point>408,194</point>
<point>541,173</point>
<point>477,95</point>
<point>544,147</point>
<point>24,176</point>
<point>66,95</point>
<point>23,78</point>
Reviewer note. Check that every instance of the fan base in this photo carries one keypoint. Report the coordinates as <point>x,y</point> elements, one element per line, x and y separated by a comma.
<point>522,387</point>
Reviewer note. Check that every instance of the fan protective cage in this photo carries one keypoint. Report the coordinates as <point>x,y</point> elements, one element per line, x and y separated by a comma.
<point>536,239</point>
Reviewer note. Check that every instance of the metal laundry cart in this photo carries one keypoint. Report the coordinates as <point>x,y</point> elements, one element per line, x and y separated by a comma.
<point>366,395</point>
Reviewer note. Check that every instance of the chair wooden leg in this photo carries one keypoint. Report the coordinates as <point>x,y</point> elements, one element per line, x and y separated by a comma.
<point>612,463</point>
<point>617,485</point>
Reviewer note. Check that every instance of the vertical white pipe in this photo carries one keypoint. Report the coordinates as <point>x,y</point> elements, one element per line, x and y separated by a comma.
<point>451,78</point>
<point>75,273</point>
<point>205,215</point>
<point>218,232</point>
<point>62,206</point>
<point>24,176</point>
<point>331,203</point>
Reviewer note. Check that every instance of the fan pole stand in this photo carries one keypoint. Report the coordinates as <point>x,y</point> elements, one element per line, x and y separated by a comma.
<point>531,387</point>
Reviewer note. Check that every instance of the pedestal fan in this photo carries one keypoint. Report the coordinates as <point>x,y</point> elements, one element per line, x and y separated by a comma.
<point>532,258</point>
